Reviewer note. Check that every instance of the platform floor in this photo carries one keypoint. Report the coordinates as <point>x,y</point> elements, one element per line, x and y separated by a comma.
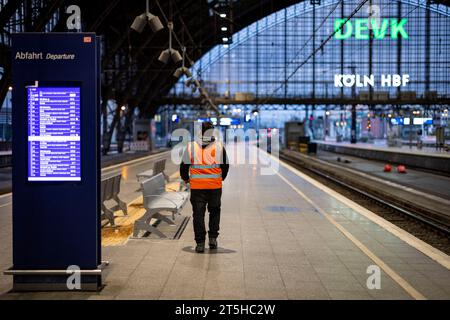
<point>426,182</point>
<point>283,236</point>
<point>381,145</point>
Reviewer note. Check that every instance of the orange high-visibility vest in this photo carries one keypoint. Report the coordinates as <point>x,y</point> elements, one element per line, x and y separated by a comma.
<point>205,171</point>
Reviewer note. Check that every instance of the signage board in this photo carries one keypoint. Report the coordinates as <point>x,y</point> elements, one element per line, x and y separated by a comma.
<point>56,173</point>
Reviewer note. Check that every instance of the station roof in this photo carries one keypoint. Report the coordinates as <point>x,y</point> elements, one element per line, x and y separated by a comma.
<point>131,71</point>
<point>194,21</point>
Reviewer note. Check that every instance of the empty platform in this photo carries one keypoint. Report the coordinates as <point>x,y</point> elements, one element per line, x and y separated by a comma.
<point>283,236</point>
<point>423,181</point>
<point>426,158</point>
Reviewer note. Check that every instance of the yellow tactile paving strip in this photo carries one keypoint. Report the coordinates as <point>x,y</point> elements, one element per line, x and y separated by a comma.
<point>119,235</point>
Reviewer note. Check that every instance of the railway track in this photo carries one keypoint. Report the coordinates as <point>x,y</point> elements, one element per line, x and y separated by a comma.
<point>435,233</point>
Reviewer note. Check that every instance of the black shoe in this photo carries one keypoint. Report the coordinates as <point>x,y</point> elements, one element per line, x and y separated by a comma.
<point>200,248</point>
<point>212,243</point>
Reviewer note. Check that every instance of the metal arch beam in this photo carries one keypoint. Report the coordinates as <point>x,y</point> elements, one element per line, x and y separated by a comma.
<point>102,17</point>
<point>117,45</point>
<point>180,17</point>
<point>125,99</point>
<point>257,11</point>
<point>147,88</point>
<point>164,80</point>
<point>151,102</point>
<point>5,14</point>
<point>5,82</point>
<point>306,101</point>
<point>254,15</point>
<point>124,96</point>
<point>134,56</point>
<point>147,94</point>
<point>178,12</point>
<point>133,82</point>
<point>250,12</point>
<point>46,15</point>
<point>8,10</point>
<point>43,19</point>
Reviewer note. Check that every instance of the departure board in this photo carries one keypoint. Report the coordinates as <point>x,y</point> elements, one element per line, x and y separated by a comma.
<point>54,134</point>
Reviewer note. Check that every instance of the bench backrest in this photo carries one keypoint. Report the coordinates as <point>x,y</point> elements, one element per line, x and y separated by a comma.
<point>110,187</point>
<point>116,184</point>
<point>103,189</point>
<point>159,166</point>
<point>155,185</point>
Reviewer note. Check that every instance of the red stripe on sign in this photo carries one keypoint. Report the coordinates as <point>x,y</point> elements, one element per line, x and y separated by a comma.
<point>87,39</point>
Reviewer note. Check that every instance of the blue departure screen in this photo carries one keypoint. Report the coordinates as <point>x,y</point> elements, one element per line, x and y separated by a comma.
<point>54,134</point>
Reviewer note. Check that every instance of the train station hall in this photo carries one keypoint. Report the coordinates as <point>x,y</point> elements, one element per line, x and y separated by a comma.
<point>224,154</point>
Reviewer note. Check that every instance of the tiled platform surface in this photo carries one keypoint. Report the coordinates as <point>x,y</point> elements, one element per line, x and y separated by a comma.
<point>429,183</point>
<point>427,158</point>
<point>273,245</point>
<point>381,145</point>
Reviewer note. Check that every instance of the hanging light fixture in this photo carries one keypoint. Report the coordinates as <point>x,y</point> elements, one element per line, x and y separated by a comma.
<point>170,53</point>
<point>183,70</point>
<point>141,20</point>
<point>189,82</point>
<point>193,83</point>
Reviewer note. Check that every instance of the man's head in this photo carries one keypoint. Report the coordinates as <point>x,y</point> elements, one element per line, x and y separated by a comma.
<point>207,126</point>
<point>207,132</point>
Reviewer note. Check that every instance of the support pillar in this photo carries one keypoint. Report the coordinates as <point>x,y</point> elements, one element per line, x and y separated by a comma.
<point>353,128</point>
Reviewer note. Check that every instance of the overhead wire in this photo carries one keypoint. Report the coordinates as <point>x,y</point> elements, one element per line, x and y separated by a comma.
<point>355,11</point>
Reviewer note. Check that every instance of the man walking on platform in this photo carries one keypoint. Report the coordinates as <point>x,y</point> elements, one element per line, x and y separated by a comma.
<point>204,167</point>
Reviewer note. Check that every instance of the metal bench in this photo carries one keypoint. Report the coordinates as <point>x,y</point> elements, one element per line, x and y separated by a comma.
<point>110,189</point>
<point>157,200</point>
<point>158,167</point>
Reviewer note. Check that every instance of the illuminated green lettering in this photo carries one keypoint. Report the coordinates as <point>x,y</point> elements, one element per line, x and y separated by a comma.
<point>379,32</point>
<point>398,28</point>
<point>339,28</point>
<point>344,30</point>
<point>360,27</point>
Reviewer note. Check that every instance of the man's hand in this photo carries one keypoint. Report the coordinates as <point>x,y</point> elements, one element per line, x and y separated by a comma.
<point>185,186</point>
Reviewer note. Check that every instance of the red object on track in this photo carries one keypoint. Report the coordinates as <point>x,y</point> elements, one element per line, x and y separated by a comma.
<point>387,168</point>
<point>401,169</point>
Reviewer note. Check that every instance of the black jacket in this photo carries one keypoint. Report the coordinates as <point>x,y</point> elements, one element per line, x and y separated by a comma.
<point>185,164</point>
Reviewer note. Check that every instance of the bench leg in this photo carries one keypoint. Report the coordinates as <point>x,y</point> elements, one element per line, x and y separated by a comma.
<point>163,218</point>
<point>122,205</point>
<point>109,215</point>
<point>143,226</point>
<point>165,176</point>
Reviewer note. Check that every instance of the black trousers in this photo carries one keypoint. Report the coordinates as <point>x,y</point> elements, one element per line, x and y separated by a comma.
<point>200,199</point>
